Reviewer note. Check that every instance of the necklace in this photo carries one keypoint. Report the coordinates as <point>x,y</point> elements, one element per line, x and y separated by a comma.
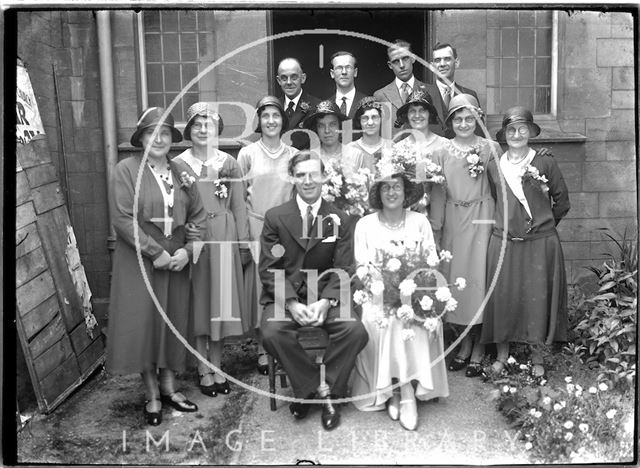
<point>269,150</point>
<point>392,226</point>
<point>165,178</point>
<point>518,161</point>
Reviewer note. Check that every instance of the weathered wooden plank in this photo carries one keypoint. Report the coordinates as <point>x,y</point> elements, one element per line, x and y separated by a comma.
<point>80,339</point>
<point>53,357</point>
<point>51,334</point>
<point>41,175</point>
<point>25,214</point>
<point>27,240</point>
<point>93,353</point>
<point>52,227</point>
<point>32,372</point>
<point>23,191</point>
<point>59,380</point>
<point>38,318</point>
<point>34,292</point>
<point>47,197</point>
<point>33,153</point>
<point>29,266</point>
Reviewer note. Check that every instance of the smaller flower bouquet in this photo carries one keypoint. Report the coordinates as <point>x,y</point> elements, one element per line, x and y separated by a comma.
<point>533,176</point>
<point>407,286</point>
<point>349,192</point>
<point>407,158</point>
<point>222,190</point>
<point>186,180</point>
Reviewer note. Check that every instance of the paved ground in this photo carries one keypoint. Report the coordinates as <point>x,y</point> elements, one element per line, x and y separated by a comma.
<point>462,429</point>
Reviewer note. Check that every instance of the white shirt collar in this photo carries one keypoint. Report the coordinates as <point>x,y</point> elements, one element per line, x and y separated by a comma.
<point>295,100</point>
<point>196,164</point>
<point>443,86</point>
<point>302,206</point>
<point>411,82</point>
<point>350,97</point>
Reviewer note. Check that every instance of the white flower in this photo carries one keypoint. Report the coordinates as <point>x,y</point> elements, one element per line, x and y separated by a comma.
<point>361,272</point>
<point>511,360</point>
<point>567,379</point>
<point>505,389</point>
<point>543,381</point>
<point>568,425</point>
<point>426,302</point>
<point>445,256</point>
<point>578,393</point>
<point>407,287</point>
<point>360,297</point>
<point>335,218</point>
<point>432,259</point>
<point>407,334</point>
<point>557,407</point>
<point>376,287</point>
<point>395,250</point>
<point>394,264</point>
<point>584,427</point>
<point>611,413</point>
<point>546,400</point>
<point>451,305</point>
<point>405,313</point>
<point>563,404</point>
<point>461,283</point>
<point>603,386</point>
<point>431,324</point>
<point>568,436</point>
<point>532,411</point>
<point>513,389</point>
<point>528,446</point>
<point>473,158</point>
<point>537,414</point>
<point>570,387</point>
<point>443,294</point>
<point>523,367</point>
<point>578,387</point>
<point>593,390</point>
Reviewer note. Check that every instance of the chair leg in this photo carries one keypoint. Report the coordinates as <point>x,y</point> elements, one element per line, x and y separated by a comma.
<point>283,381</point>
<point>272,381</point>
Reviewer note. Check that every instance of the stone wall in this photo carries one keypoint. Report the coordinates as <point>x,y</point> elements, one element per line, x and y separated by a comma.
<point>595,99</point>
<point>67,43</point>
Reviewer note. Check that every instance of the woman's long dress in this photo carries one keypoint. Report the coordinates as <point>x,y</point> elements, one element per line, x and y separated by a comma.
<point>386,354</point>
<point>463,206</point>
<point>365,156</point>
<point>138,338</point>
<point>218,302</point>
<point>529,302</point>
<point>266,185</point>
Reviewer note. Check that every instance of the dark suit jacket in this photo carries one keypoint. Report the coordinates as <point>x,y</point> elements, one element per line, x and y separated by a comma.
<point>436,97</point>
<point>354,106</point>
<point>300,140</point>
<point>283,226</point>
<point>390,93</point>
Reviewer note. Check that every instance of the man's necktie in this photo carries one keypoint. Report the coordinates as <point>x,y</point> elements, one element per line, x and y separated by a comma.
<point>309,217</point>
<point>405,90</point>
<point>289,110</point>
<point>343,106</point>
<point>447,97</point>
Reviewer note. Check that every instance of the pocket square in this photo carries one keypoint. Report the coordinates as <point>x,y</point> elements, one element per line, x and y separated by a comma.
<point>330,239</point>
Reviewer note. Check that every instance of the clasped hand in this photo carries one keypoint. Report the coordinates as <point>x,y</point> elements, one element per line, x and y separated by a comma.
<point>174,263</point>
<point>312,315</point>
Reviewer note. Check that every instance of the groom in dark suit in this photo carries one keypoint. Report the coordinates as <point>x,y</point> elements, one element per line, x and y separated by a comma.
<point>344,70</point>
<point>307,234</point>
<point>296,102</point>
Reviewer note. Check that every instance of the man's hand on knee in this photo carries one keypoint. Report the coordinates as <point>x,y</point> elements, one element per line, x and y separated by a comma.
<point>319,310</point>
<point>299,312</point>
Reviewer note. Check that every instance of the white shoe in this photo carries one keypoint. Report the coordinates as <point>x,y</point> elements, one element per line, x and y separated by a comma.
<point>409,414</point>
<point>393,406</point>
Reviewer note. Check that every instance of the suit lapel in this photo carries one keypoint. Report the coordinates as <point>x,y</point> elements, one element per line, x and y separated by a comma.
<point>292,222</point>
<point>323,212</point>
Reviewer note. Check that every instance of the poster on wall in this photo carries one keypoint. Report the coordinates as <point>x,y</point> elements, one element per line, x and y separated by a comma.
<point>28,121</point>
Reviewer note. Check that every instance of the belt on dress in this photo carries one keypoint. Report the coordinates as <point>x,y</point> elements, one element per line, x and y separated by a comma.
<point>536,235</point>
<point>253,214</point>
<point>467,203</point>
<point>213,214</point>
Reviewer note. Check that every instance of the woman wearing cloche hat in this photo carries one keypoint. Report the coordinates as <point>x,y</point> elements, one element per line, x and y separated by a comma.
<point>215,284</point>
<point>138,339</point>
<point>383,367</point>
<point>456,206</point>
<point>264,167</point>
<point>529,301</point>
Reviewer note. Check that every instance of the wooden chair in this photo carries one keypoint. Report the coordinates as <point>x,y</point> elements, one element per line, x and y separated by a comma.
<point>314,341</point>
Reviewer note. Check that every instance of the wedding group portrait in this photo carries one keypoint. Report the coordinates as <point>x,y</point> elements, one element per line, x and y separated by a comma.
<point>325,236</point>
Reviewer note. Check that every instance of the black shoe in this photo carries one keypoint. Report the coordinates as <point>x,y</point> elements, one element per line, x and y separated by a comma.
<point>209,390</point>
<point>300,410</point>
<point>263,364</point>
<point>330,414</point>
<point>153,418</point>
<point>222,388</point>
<point>457,364</point>
<point>183,404</point>
<point>474,369</point>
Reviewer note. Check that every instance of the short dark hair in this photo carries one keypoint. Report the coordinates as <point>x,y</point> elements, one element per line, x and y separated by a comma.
<point>344,52</point>
<point>304,155</point>
<point>444,45</point>
<point>399,44</point>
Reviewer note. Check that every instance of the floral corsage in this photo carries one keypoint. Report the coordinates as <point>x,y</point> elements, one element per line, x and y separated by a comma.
<point>186,179</point>
<point>304,106</point>
<point>532,174</point>
<point>476,166</point>
<point>222,191</point>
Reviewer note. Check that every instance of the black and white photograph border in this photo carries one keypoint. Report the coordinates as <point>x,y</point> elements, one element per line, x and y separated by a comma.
<point>86,72</point>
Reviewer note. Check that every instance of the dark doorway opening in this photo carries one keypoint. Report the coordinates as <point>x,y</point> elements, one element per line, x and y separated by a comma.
<point>373,72</point>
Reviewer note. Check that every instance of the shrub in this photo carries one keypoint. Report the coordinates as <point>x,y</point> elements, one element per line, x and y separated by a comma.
<point>606,323</point>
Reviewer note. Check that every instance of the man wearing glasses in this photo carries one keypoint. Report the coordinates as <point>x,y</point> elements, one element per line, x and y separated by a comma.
<point>297,102</point>
<point>344,71</point>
